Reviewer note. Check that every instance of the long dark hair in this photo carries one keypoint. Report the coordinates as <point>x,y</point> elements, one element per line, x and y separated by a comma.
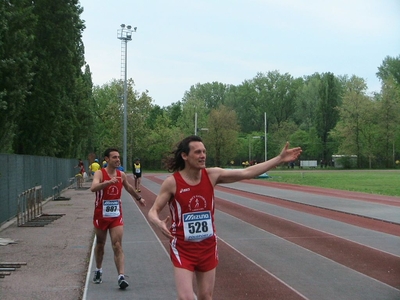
<point>174,162</point>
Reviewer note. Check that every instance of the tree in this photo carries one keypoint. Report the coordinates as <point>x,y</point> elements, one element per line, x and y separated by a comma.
<point>159,141</point>
<point>355,127</point>
<point>279,96</point>
<point>221,139</point>
<point>327,115</point>
<point>273,93</point>
<point>108,111</point>
<point>55,108</point>
<point>306,102</point>
<point>139,108</point>
<point>191,107</point>
<point>16,65</point>
<point>212,94</point>
<point>389,116</point>
<point>245,101</point>
<point>174,112</point>
<point>390,68</point>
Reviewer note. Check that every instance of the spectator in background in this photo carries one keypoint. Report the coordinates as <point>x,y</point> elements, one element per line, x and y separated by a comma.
<point>81,173</point>
<point>94,167</point>
<point>137,174</point>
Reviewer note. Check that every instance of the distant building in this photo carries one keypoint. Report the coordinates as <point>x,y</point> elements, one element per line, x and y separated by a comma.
<point>344,161</point>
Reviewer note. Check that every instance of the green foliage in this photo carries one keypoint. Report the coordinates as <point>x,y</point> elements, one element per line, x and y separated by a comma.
<point>308,141</point>
<point>389,111</point>
<point>108,110</point>
<point>52,118</point>
<point>221,138</point>
<point>326,114</point>
<point>211,94</point>
<point>357,127</point>
<point>306,103</point>
<point>16,65</point>
<point>186,121</point>
<point>390,68</point>
<point>245,101</point>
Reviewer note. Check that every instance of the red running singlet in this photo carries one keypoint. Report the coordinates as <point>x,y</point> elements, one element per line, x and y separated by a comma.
<point>108,208</point>
<point>194,246</point>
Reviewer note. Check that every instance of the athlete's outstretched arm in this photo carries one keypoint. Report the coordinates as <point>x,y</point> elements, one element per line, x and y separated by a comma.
<point>219,175</point>
<point>166,192</point>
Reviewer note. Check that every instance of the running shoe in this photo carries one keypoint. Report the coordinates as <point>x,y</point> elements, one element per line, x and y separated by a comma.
<point>97,277</point>
<point>139,190</point>
<point>123,284</point>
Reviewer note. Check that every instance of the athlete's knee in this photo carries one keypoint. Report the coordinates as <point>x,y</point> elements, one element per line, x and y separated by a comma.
<point>100,242</point>
<point>117,246</point>
<point>204,296</point>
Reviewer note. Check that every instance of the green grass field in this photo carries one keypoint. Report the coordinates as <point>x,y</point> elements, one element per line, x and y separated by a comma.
<point>382,182</point>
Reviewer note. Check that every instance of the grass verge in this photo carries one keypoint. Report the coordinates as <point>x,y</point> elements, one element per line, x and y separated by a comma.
<point>381,182</point>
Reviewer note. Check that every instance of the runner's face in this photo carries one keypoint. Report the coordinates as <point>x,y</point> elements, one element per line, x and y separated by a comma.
<point>114,159</point>
<point>197,155</point>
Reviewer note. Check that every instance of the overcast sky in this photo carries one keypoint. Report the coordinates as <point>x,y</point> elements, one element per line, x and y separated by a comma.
<point>181,43</point>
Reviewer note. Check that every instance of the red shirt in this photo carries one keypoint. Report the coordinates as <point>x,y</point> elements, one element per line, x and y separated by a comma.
<point>108,200</point>
<point>192,209</point>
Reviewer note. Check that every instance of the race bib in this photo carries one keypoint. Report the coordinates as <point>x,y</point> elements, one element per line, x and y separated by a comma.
<point>197,226</point>
<point>111,208</point>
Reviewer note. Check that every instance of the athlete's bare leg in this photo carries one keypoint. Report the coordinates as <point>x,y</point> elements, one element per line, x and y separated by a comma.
<point>205,284</point>
<point>184,283</point>
<point>101,237</point>
<point>116,234</point>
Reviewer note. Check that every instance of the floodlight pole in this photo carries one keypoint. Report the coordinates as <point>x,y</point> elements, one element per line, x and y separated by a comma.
<point>265,137</point>
<point>125,35</point>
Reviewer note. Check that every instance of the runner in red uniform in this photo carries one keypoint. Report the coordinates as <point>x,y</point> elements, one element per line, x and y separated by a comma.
<point>194,244</point>
<point>189,192</point>
<point>107,184</point>
<point>107,207</point>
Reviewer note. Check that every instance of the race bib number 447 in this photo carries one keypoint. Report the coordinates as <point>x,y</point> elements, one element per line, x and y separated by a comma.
<point>197,226</point>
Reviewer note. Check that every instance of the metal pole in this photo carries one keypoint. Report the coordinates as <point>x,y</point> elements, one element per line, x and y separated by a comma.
<point>249,151</point>
<point>125,35</point>
<point>265,135</point>
<point>124,154</point>
<point>195,123</point>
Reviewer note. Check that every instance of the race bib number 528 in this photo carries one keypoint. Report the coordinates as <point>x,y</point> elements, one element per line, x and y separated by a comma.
<point>197,226</point>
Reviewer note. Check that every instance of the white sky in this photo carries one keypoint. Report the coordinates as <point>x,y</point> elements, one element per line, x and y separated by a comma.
<point>180,43</point>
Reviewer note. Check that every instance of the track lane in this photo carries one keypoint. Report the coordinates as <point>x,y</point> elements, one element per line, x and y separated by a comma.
<point>371,262</point>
